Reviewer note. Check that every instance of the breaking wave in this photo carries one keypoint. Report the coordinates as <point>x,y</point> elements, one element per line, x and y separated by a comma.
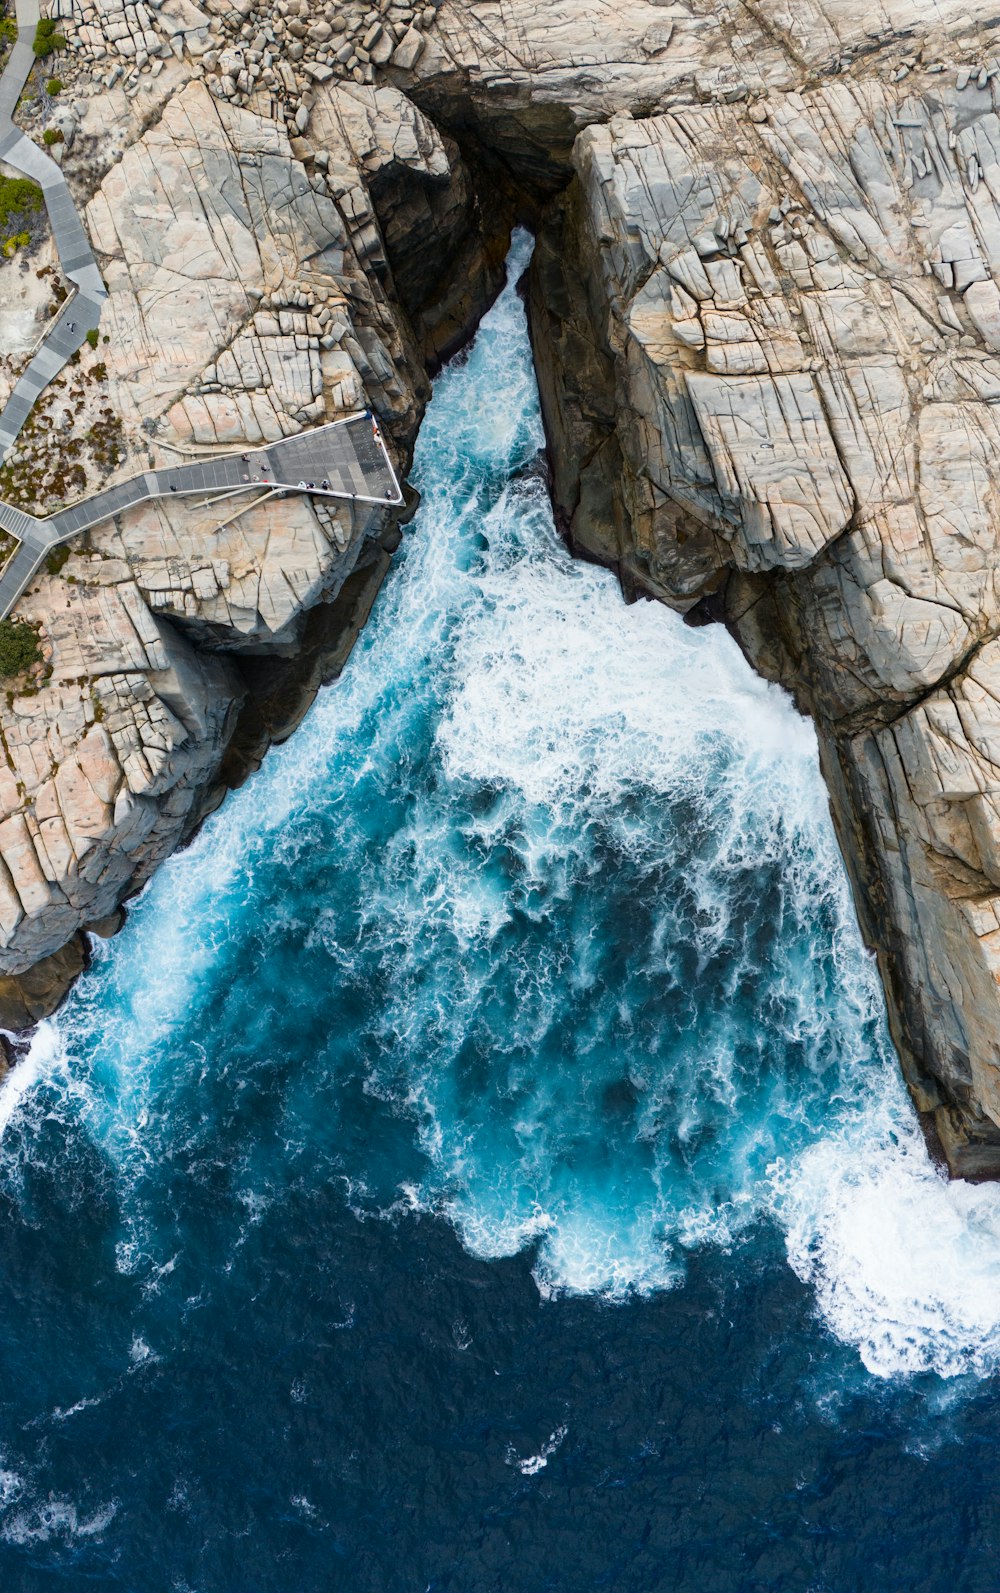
<point>539,925</point>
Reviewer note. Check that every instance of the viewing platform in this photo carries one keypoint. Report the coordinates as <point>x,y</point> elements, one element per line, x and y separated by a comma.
<point>346,459</point>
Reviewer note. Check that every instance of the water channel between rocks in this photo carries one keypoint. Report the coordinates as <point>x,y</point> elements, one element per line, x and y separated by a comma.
<point>493,1105</point>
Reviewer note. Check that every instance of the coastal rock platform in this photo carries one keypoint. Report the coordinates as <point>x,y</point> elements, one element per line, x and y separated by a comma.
<point>766,316</point>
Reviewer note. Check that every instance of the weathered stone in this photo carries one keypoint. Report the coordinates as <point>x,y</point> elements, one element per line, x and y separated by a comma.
<point>35,994</point>
<point>115,754</point>
<point>409,50</point>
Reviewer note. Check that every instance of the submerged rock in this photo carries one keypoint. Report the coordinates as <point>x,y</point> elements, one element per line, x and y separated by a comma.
<point>38,992</point>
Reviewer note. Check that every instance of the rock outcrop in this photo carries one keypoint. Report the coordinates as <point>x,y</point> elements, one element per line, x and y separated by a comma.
<point>251,295</point>
<point>766,312</point>
<point>768,337</point>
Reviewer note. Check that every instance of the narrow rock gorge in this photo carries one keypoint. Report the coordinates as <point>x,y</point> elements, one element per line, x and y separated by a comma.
<point>766,320</point>
<point>765,304</point>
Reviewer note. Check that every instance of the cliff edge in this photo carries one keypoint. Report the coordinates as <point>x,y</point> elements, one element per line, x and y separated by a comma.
<point>766,315</point>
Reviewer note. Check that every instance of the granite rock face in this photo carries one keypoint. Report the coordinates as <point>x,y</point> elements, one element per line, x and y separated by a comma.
<point>101,780</point>
<point>766,313</point>
<point>768,337</point>
<point>251,295</point>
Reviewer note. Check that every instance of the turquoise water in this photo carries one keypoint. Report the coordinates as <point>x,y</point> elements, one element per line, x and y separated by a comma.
<point>480,1162</point>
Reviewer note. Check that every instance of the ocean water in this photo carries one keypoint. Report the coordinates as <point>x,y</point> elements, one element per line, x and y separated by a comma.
<point>480,1164</point>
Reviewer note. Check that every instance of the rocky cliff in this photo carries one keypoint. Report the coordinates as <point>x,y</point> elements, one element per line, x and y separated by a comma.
<point>252,293</point>
<point>767,319</point>
<point>766,311</point>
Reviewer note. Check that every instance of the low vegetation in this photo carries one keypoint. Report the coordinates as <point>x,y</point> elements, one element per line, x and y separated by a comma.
<point>52,135</point>
<point>19,199</point>
<point>107,441</point>
<point>47,40</point>
<point>57,287</point>
<point>54,86</point>
<point>19,196</point>
<point>68,433</point>
<point>19,648</point>
<point>56,559</point>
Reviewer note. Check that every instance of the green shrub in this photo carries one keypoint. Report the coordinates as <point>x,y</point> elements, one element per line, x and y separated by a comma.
<point>19,647</point>
<point>54,85</point>
<point>92,337</point>
<point>47,40</point>
<point>51,136</point>
<point>8,31</point>
<point>55,560</point>
<point>19,196</point>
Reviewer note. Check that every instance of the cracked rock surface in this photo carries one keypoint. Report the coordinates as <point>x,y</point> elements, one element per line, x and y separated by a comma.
<point>766,314</point>
<point>251,295</point>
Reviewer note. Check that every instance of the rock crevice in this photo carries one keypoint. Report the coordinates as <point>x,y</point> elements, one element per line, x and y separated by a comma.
<point>765,306</point>
<point>769,330</point>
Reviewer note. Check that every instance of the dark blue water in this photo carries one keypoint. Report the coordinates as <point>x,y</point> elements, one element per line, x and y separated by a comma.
<point>480,1163</point>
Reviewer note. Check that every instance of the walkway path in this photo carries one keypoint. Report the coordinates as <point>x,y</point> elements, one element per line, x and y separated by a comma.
<point>82,312</point>
<point>345,459</point>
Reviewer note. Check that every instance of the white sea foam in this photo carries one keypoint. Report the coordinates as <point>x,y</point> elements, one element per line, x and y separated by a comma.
<point>531,1465</point>
<point>55,1518</point>
<point>16,1085</point>
<point>11,1485</point>
<point>140,1353</point>
<point>58,1414</point>
<point>46,1059</point>
<point>904,1262</point>
<point>570,735</point>
<point>569,696</point>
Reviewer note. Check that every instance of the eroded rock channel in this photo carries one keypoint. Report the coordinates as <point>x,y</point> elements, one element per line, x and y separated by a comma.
<point>765,306</point>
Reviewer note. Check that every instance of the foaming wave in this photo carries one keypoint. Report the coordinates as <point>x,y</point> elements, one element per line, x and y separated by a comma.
<point>904,1263</point>
<point>55,1519</point>
<point>533,1464</point>
<point>27,1520</point>
<point>547,885</point>
<point>568,695</point>
<point>20,1081</point>
<point>626,1115</point>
